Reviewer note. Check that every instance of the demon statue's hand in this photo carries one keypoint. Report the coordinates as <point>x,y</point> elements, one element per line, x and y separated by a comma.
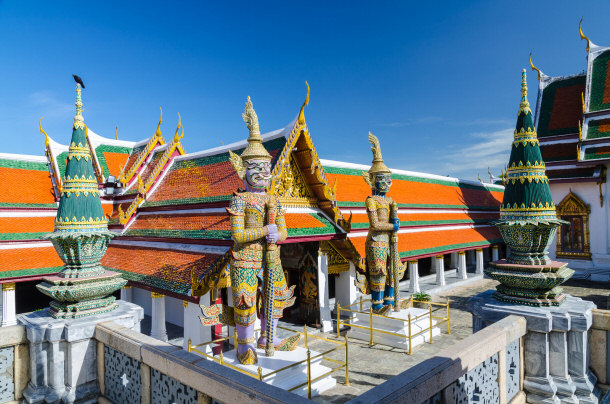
<point>396,223</point>
<point>273,235</point>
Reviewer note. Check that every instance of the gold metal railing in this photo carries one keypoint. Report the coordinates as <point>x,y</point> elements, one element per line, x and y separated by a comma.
<point>260,376</point>
<point>409,320</point>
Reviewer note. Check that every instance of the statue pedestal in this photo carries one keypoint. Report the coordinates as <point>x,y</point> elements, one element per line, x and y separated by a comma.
<point>291,377</point>
<point>63,354</point>
<point>395,325</point>
<point>555,347</point>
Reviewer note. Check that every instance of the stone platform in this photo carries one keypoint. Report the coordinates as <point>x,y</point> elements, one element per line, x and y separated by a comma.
<point>555,347</point>
<point>291,377</point>
<point>395,325</point>
<point>63,354</point>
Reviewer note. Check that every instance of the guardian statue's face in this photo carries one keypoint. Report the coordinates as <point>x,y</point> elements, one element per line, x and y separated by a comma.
<point>258,175</point>
<point>383,182</point>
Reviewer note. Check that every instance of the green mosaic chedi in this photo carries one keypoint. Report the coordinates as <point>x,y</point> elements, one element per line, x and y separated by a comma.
<point>80,236</point>
<point>528,222</point>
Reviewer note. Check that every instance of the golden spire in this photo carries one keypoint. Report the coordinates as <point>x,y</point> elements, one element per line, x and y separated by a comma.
<point>116,132</point>
<point>583,36</point>
<point>524,106</point>
<point>158,132</point>
<point>176,136</point>
<point>46,137</point>
<point>534,68</point>
<point>79,122</point>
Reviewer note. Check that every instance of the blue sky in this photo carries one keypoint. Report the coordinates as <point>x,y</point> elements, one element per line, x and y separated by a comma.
<point>437,83</point>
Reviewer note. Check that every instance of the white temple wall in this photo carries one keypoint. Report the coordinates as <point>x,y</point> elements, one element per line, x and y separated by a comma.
<point>174,311</point>
<point>599,266</point>
<point>141,297</point>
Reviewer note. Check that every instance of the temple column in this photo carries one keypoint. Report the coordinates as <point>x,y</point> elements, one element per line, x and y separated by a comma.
<point>9,315</point>
<point>461,271</point>
<point>494,253</point>
<point>440,270</point>
<point>479,261</point>
<point>325,317</point>
<point>413,277</point>
<point>127,293</point>
<point>454,260</point>
<point>433,266</point>
<point>193,329</point>
<point>157,329</point>
<point>345,288</point>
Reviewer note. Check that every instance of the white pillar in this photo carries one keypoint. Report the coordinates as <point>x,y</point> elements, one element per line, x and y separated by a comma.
<point>345,287</point>
<point>157,329</point>
<point>193,329</point>
<point>479,263</point>
<point>440,270</point>
<point>127,293</point>
<point>461,271</point>
<point>494,253</point>
<point>454,260</point>
<point>230,329</point>
<point>325,317</point>
<point>9,315</point>
<point>413,277</point>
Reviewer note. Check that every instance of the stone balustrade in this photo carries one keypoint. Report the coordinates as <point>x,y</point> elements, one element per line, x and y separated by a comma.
<point>140,369</point>
<point>488,365</point>
<point>14,363</point>
<point>600,347</point>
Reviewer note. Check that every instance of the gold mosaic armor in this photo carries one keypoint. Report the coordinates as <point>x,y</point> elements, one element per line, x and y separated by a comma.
<point>247,212</point>
<point>377,243</point>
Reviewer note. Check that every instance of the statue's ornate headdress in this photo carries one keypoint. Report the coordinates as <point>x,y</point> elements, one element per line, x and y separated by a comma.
<point>378,166</point>
<point>255,149</point>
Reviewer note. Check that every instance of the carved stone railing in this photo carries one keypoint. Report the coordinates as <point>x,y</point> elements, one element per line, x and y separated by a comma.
<point>14,363</point>
<point>599,348</point>
<point>486,367</point>
<point>135,368</point>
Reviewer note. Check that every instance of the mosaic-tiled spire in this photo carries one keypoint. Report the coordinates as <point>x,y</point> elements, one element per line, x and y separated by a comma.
<point>80,207</point>
<point>527,195</point>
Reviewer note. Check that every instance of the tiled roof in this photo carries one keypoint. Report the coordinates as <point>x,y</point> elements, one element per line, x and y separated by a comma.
<point>203,179</point>
<point>561,107</point>
<point>558,151</point>
<point>25,261</point>
<point>597,152</point>
<point>430,218</point>
<point>433,241</point>
<point>25,228</point>
<point>415,191</point>
<point>133,156</point>
<point>600,83</point>
<point>111,159</point>
<point>25,183</point>
<point>572,173</point>
<point>598,128</point>
<point>145,174</point>
<point>159,268</point>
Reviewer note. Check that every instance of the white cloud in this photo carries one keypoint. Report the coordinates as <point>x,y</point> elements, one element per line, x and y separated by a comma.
<point>48,105</point>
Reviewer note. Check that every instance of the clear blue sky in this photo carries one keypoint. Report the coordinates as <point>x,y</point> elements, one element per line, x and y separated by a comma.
<point>437,83</point>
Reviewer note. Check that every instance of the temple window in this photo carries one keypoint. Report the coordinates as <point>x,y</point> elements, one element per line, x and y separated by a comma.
<point>573,238</point>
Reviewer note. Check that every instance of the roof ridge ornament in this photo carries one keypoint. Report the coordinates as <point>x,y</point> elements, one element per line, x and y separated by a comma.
<point>534,68</point>
<point>46,137</point>
<point>583,36</point>
<point>524,105</point>
<point>301,119</point>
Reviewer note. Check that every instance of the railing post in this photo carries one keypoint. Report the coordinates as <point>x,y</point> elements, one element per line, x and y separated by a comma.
<point>260,373</point>
<point>309,374</point>
<point>410,351</point>
<point>235,338</point>
<point>189,345</point>
<point>430,310</point>
<point>346,363</point>
<point>448,319</point>
<point>360,302</point>
<point>221,356</point>
<point>305,334</point>
<point>338,318</point>
<point>371,325</point>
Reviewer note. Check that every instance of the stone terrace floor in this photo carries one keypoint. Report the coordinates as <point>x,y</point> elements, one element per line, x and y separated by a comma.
<point>372,365</point>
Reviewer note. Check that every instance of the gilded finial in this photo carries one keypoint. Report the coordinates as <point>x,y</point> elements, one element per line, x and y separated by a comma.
<point>46,137</point>
<point>116,132</point>
<point>158,132</point>
<point>524,106</point>
<point>534,68</point>
<point>583,36</point>
<point>302,112</point>
<point>79,122</point>
<point>176,137</point>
